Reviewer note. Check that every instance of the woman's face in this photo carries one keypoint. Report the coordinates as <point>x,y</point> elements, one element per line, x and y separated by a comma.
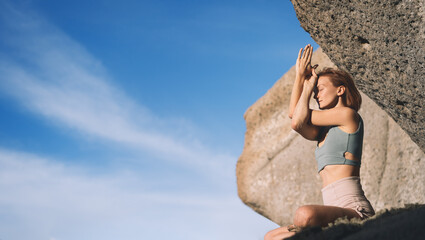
<point>325,93</point>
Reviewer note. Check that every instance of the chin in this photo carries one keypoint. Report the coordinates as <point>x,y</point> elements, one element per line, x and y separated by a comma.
<point>323,107</point>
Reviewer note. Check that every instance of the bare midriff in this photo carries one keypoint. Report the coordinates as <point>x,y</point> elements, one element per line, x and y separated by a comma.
<point>332,173</point>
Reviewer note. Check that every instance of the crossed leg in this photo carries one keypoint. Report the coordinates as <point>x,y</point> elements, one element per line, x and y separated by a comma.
<point>312,215</point>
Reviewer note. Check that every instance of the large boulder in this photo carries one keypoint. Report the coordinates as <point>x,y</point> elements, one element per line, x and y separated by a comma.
<point>277,172</point>
<point>382,44</point>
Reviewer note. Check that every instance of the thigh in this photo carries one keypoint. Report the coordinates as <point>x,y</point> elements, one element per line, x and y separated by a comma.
<point>319,215</point>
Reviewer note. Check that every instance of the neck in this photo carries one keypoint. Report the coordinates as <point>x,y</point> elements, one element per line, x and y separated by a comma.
<point>340,103</point>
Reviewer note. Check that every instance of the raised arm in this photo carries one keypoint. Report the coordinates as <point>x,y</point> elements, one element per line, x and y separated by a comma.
<point>302,71</point>
<point>301,119</point>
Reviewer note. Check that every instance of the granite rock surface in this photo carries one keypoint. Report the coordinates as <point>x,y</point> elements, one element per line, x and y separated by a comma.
<point>382,44</point>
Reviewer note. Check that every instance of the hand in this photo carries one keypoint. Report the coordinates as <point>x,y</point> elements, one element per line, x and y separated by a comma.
<point>303,66</point>
<point>310,84</point>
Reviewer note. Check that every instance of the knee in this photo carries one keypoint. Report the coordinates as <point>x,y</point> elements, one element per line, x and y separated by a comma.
<point>305,216</point>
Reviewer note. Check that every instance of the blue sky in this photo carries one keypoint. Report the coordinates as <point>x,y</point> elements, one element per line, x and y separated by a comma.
<point>124,119</point>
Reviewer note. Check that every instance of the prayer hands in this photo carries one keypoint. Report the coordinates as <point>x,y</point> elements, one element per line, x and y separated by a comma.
<point>303,66</point>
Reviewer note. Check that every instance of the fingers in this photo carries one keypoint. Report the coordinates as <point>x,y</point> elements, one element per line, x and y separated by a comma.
<point>299,53</point>
<point>304,55</point>
<point>304,60</point>
<point>310,53</point>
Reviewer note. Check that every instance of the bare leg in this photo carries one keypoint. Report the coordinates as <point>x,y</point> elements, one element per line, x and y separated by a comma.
<point>312,215</point>
<point>319,215</point>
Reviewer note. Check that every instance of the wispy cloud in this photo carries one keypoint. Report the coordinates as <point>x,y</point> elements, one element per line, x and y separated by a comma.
<point>55,77</point>
<point>47,200</point>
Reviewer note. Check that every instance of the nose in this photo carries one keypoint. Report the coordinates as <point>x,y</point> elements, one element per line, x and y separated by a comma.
<point>317,95</point>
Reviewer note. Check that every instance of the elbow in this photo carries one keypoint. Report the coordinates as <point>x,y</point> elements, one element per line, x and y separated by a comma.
<point>290,115</point>
<point>295,125</point>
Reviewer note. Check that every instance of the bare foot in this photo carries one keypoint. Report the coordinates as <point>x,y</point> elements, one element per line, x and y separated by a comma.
<point>279,233</point>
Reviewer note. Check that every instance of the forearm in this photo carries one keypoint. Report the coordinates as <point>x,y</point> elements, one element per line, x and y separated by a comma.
<point>302,111</point>
<point>302,70</point>
<point>295,95</point>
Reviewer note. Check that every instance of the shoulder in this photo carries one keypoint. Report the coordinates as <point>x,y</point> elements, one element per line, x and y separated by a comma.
<point>339,116</point>
<point>350,114</point>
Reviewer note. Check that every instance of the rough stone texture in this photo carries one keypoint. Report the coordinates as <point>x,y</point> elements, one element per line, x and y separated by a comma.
<point>405,223</point>
<point>382,44</point>
<point>277,172</point>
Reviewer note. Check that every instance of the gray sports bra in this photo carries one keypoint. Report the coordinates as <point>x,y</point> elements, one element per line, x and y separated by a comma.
<point>338,142</point>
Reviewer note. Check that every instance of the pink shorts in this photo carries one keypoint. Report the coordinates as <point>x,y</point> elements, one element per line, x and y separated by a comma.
<point>348,193</point>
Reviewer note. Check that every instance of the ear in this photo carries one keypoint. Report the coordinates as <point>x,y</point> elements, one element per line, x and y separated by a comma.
<point>341,90</point>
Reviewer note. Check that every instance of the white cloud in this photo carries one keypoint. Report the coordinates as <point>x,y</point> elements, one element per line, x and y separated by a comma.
<point>53,76</point>
<point>51,200</point>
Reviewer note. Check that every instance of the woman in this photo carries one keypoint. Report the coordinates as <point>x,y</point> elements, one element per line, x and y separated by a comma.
<point>338,128</point>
